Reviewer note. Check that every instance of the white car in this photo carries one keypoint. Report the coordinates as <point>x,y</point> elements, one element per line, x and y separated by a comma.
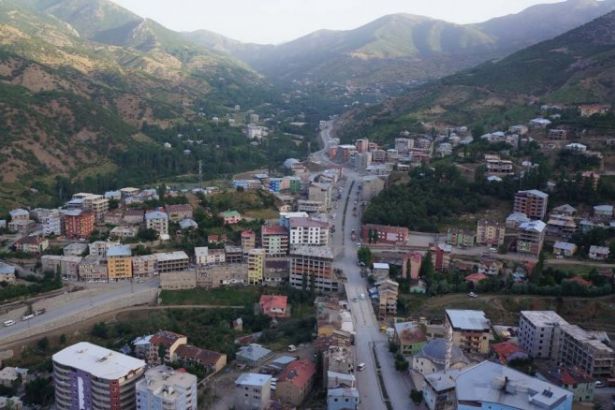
<point>472,295</point>
<point>8,323</point>
<point>361,367</point>
<point>362,296</point>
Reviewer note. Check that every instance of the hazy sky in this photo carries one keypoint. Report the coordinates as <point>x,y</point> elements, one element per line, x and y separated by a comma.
<point>276,21</point>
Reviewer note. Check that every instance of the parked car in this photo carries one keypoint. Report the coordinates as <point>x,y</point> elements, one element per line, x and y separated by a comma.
<point>292,348</point>
<point>27,317</point>
<point>472,295</point>
<point>361,367</point>
<point>8,323</point>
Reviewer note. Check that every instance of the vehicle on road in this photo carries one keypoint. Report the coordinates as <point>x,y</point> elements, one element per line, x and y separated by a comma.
<point>39,312</point>
<point>292,348</point>
<point>472,295</point>
<point>27,317</point>
<point>8,323</point>
<point>494,250</point>
<point>353,235</point>
<point>362,296</point>
<point>361,367</point>
<point>600,384</point>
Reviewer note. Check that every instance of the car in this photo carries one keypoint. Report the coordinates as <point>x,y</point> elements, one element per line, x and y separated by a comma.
<point>292,348</point>
<point>362,296</point>
<point>494,250</point>
<point>361,367</point>
<point>27,317</point>
<point>8,323</point>
<point>472,295</point>
<point>599,384</point>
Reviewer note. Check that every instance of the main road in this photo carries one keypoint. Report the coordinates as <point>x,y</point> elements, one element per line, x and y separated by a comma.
<point>371,346</point>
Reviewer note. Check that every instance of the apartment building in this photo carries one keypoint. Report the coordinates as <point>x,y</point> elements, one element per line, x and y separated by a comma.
<point>371,186</point>
<point>561,226</point>
<point>100,248</point>
<point>163,387</point>
<point>178,212</point>
<point>158,221</point>
<point>305,205</point>
<point>31,244</point>
<point>312,266</point>
<point>320,193</point>
<point>215,276</point>
<point>50,221</point>
<point>531,236</point>
<point>252,391</point>
<point>308,231</point>
<point>580,348</point>
<point>532,203</point>
<point>388,292</point>
<point>119,263</point>
<point>207,257</point>
<point>275,240</point>
<point>172,261</point>
<point>97,204</point>
<point>499,167</point>
<point>471,329</point>
<point>295,382</point>
<point>78,224</point>
<point>67,266</point>
<point>248,240</point>
<point>256,266</point>
<point>91,269</point>
<point>86,376</point>
<point>490,233</point>
<point>144,266</point>
<point>537,332</point>
<point>384,234</point>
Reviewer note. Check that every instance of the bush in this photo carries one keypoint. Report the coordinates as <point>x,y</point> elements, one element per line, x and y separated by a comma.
<point>416,396</point>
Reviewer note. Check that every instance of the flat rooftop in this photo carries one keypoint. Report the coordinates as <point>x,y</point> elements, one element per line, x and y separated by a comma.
<point>541,318</point>
<point>468,319</point>
<point>253,379</point>
<point>172,256</point>
<point>98,361</point>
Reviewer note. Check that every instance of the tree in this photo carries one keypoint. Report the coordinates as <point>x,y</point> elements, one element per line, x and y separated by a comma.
<point>416,396</point>
<point>100,330</point>
<point>162,352</point>
<point>365,255</point>
<point>43,344</point>
<point>147,235</point>
<point>39,392</point>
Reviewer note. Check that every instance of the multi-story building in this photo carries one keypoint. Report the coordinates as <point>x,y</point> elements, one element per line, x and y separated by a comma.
<point>144,266</point>
<point>97,204</point>
<point>295,382</point>
<point>248,241</point>
<point>404,145</point>
<point>172,261</point>
<point>460,237</point>
<point>490,233</point>
<point>384,234</point>
<point>124,232</point>
<point>252,391</point>
<point>214,276</point>
<point>178,212</point>
<point>561,226</point>
<point>305,205</point>
<point>31,244</point>
<point>577,347</point>
<point>371,186</point>
<point>86,376</point>
<point>67,266</point>
<point>100,248</point>
<point>320,193</point>
<point>158,221</point>
<point>308,231</point>
<point>362,145</point>
<point>256,266</point>
<point>165,388</point>
<point>532,203</point>
<point>312,266</point>
<point>471,329</point>
<point>537,332</point>
<point>91,269</point>
<point>275,239</point>
<point>388,292</point>
<point>119,263</point>
<point>499,167</point>
<point>77,223</point>
<point>207,257</point>
<point>50,221</point>
<point>531,236</point>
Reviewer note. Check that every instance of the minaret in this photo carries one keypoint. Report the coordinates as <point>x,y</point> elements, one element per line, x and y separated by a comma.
<point>449,348</point>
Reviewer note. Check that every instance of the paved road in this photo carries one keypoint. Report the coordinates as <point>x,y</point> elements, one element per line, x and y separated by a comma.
<point>39,323</point>
<point>368,336</point>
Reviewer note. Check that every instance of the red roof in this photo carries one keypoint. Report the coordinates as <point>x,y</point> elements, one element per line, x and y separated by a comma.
<point>165,338</point>
<point>179,208</point>
<point>247,234</point>
<point>583,282</point>
<point>205,357</point>
<point>268,302</point>
<point>274,230</point>
<point>299,373</point>
<point>476,277</point>
<point>505,349</point>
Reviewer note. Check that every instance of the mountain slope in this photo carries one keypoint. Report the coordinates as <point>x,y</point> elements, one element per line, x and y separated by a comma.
<point>576,67</point>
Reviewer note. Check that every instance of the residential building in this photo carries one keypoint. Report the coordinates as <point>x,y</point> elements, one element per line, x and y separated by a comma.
<point>388,292</point>
<point>499,167</point>
<point>309,231</point>
<point>178,280</point>
<point>172,261</point>
<point>13,376</point>
<point>50,221</point>
<point>211,361</point>
<point>508,351</point>
<point>536,333</point>
<point>91,269</point>
<point>75,249</point>
<point>100,248</point>
<point>481,386</point>
<point>410,337</point>
<point>119,263</point>
<point>515,219</point>
<point>274,306</point>
<point>231,217</point>
<point>252,391</point>
<point>179,212</point>
<point>144,266</point>
<point>532,203</point>
<point>232,254</point>
<point>165,341</point>
<point>565,209</point>
<point>19,214</point>
<point>371,186</point>
<point>305,205</point>
<point>490,233</point>
<point>573,379</point>
<point>320,193</point>
<point>561,226</point>
<point>78,224</point>
<point>7,273</point>
<point>295,382</point>
<point>157,221</point>
<point>86,376</point>
<point>531,237</point>
<point>275,240</point>
<point>471,329</point>
<point>603,212</point>
<point>564,249</point>
<point>460,237</point>
<point>31,244</point>
<point>97,204</point>
<point>577,347</point>
<point>20,220</point>
<point>439,390</point>
<point>207,257</point>
<point>124,232</point>
<point>248,240</point>
<point>256,266</point>
<point>362,145</point>
<point>253,355</point>
<point>343,398</point>
<point>67,266</point>
<point>163,387</point>
<point>312,266</point>
<point>380,271</point>
<point>133,216</point>
<point>598,253</point>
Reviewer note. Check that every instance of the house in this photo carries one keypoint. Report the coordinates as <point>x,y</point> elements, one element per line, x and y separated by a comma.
<point>564,249</point>
<point>490,266</point>
<point>576,147</point>
<point>7,273</point>
<point>124,232</point>
<point>410,337</point>
<point>476,278</point>
<point>253,355</point>
<point>505,352</point>
<point>164,341</point>
<point>157,221</point>
<point>213,362</point>
<point>252,391</point>
<point>10,376</point>
<point>178,212</point>
<point>565,209</point>
<point>598,253</point>
<point>603,212</point>
<point>539,123</point>
<point>343,398</point>
<point>76,249</point>
<point>231,217</point>
<point>32,244</point>
<point>573,379</point>
<point>471,329</point>
<point>274,306</point>
<point>295,382</point>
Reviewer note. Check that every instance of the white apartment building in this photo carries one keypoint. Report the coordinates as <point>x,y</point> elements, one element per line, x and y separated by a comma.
<point>98,204</point>
<point>537,332</point>
<point>252,391</point>
<point>168,389</point>
<point>308,231</point>
<point>158,221</point>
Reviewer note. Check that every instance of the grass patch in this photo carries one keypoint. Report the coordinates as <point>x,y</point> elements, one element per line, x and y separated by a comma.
<point>220,296</point>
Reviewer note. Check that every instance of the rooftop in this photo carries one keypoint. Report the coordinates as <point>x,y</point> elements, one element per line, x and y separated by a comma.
<point>409,332</point>
<point>535,192</point>
<point>155,215</point>
<point>534,226</point>
<point>158,380</point>
<point>467,319</point>
<point>268,302</point>
<point>172,256</point>
<point>119,251</point>
<point>314,251</point>
<point>98,361</point>
<point>274,230</point>
<point>203,356</point>
<point>165,338</point>
<point>298,372</point>
<point>540,318</point>
<point>253,379</point>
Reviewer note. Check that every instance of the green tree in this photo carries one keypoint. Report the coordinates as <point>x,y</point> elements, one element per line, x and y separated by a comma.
<point>100,330</point>
<point>365,255</point>
<point>39,392</point>
<point>416,396</point>
<point>43,344</point>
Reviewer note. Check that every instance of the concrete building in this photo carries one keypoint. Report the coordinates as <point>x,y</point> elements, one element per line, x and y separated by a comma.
<point>532,203</point>
<point>577,347</point>
<point>384,234</point>
<point>388,293</point>
<point>144,266</point>
<point>275,240</point>
<point>31,244</point>
<point>208,257</point>
<point>343,398</point>
<point>410,337</point>
<point>97,204</point>
<point>253,355</point>
<point>78,224</point>
<point>178,212</point>
<point>598,253</point>
<point>471,329</point>
<point>295,382</point>
<point>536,333</point>
<point>312,266</point>
<point>75,249</point>
<point>215,276</point>
<point>100,248</point>
<point>308,231</point>
<point>305,205</point>
<point>371,186</point>
<point>157,221</point>
<point>320,193</point>
<point>256,266</point>
<point>172,261</point>
<point>573,379</point>
<point>178,280</point>
<point>165,388</point>
<point>67,266</point>
<point>7,273</point>
<point>91,269</point>
<point>531,237</point>
<point>252,391</point>
<point>561,226</point>
<point>119,263</point>
<point>490,233</point>
<point>87,376</point>
<point>248,241</point>
<point>124,232</point>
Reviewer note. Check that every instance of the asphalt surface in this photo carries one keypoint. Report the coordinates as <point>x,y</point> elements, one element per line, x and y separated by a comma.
<point>368,338</point>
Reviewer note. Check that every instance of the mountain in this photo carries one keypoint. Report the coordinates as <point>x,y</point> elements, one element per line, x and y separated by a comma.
<point>84,81</point>
<point>573,68</point>
<point>404,49</point>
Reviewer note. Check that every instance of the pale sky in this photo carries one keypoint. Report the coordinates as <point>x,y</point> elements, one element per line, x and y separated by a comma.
<point>277,21</point>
